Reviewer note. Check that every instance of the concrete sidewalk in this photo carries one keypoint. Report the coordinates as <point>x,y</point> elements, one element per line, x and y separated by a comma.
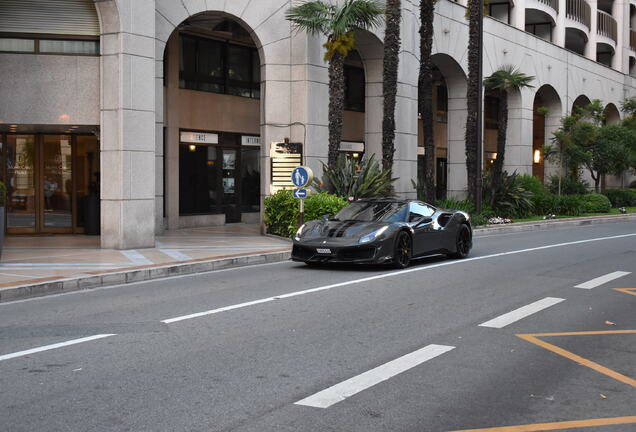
<point>39,265</point>
<point>42,265</point>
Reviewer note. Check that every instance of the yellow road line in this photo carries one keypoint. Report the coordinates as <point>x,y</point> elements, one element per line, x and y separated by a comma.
<point>533,338</point>
<point>631,291</point>
<point>558,425</point>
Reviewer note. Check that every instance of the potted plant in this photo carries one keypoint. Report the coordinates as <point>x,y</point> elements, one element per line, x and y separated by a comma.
<point>3,200</point>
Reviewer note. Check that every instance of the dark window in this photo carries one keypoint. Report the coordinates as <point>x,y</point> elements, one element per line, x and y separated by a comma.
<point>198,180</point>
<point>500,11</point>
<point>354,88</point>
<point>50,46</point>
<point>542,30</point>
<point>219,67</point>
<point>251,179</point>
<point>442,104</point>
<point>491,112</point>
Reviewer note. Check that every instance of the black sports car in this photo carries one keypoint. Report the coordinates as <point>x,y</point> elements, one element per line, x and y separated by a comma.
<point>378,231</point>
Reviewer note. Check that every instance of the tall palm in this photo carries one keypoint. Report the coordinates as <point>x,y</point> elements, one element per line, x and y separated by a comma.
<point>502,81</point>
<point>389,79</point>
<point>337,22</point>
<point>425,95</point>
<point>472,98</point>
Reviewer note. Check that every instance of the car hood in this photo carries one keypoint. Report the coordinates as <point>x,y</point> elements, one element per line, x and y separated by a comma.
<point>336,230</point>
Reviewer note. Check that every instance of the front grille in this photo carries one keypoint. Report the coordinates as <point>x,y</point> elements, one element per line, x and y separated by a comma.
<point>302,252</point>
<point>357,253</point>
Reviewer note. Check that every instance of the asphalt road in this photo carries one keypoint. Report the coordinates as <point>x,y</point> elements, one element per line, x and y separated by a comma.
<point>284,347</point>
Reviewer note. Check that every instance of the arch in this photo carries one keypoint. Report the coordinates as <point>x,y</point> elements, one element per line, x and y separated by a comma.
<point>206,102</point>
<point>612,114</point>
<point>580,102</point>
<point>456,85</point>
<point>547,111</point>
<point>576,40</point>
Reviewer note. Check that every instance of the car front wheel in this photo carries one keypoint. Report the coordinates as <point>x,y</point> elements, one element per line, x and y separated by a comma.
<point>403,250</point>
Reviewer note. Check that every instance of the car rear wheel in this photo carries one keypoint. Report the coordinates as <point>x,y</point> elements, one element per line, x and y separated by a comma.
<point>462,242</point>
<point>403,250</point>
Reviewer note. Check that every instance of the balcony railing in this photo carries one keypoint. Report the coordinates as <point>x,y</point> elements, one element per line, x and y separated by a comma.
<point>632,40</point>
<point>606,25</point>
<point>579,11</point>
<point>554,4</point>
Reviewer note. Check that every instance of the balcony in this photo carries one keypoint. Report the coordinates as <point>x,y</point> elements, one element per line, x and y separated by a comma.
<point>579,11</point>
<point>553,4</point>
<point>606,26</point>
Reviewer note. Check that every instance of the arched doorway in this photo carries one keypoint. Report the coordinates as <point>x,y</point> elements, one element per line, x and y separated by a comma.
<point>612,115</point>
<point>449,98</point>
<point>547,112</point>
<point>580,102</point>
<point>212,122</point>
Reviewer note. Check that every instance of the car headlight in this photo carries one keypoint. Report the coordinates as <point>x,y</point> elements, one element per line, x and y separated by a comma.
<point>374,235</point>
<point>299,232</point>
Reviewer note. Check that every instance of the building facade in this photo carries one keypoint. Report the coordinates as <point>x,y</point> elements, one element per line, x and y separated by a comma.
<point>131,117</point>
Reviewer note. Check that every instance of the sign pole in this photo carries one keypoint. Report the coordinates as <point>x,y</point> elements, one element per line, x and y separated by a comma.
<point>301,216</point>
<point>301,177</point>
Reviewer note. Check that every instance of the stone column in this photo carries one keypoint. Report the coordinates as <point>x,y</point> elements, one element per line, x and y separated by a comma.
<point>559,29</point>
<point>128,126</point>
<point>518,15</point>
<point>171,93</point>
<point>457,115</point>
<point>519,133</point>
<point>620,12</point>
<point>590,48</point>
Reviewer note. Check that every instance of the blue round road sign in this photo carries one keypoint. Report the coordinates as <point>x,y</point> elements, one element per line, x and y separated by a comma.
<point>301,176</point>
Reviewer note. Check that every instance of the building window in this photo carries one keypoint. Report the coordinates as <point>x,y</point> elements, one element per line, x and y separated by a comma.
<point>441,114</point>
<point>50,46</point>
<point>219,67</point>
<point>354,88</point>
<point>499,11</point>
<point>542,30</point>
<point>491,112</point>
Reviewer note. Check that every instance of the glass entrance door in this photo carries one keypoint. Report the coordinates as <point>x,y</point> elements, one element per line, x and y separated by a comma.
<point>49,180</point>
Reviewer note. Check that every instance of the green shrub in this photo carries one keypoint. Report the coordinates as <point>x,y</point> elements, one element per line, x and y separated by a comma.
<point>512,200</point>
<point>532,184</point>
<point>350,178</point>
<point>570,185</point>
<point>596,203</point>
<point>281,213</point>
<point>320,204</point>
<point>564,205</point>
<point>621,197</point>
<point>3,194</point>
<point>282,210</point>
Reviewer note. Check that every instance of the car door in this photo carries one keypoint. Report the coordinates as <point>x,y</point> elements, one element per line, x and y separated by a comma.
<point>425,237</point>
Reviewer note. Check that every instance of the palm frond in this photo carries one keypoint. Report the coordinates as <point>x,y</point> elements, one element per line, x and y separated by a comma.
<point>314,17</point>
<point>508,77</point>
<point>357,14</point>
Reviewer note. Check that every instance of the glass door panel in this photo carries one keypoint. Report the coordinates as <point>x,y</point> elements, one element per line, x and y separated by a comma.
<point>57,181</point>
<point>86,173</point>
<point>21,186</point>
<point>232,212</point>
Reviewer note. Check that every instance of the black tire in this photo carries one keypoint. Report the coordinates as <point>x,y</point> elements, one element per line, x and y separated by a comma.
<point>463,242</point>
<point>403,250</point>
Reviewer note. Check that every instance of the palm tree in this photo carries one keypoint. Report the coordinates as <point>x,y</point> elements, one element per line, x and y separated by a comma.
<point>473,129</point>
<point>389,79</point>
<point>337,23</point>
<point>425,95</point>
<point>503,80</point>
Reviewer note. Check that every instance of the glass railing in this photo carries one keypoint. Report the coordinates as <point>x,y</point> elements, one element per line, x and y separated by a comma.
<point>579,11</point>
<point>606,25</point>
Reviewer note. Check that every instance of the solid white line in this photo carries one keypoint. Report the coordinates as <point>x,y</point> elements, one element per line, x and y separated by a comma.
<point>175,254</point>
<point>352,386</point>
<point>384,275</point>
<point>521,313</point>
<point>136,257</point>
<point>601,280</point>
<point>54,346</point>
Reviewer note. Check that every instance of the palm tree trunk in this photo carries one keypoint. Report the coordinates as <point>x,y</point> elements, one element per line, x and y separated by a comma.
<point>472,99</point>
<point>425,96</point>
<point>497,167</point>
<point>389,79</point>
<point>336,107</point>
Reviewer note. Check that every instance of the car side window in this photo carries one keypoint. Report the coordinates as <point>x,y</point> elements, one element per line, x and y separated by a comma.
<point>418,211</point>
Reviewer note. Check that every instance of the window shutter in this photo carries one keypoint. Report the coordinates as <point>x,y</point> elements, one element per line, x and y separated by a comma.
<point>66,17</point>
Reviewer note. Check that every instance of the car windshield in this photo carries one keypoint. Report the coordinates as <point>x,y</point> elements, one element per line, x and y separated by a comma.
<point>365,211</point>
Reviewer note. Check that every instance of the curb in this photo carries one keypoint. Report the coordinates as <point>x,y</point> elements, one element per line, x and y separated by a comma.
<point>551,224</point>
<point>122,277</point>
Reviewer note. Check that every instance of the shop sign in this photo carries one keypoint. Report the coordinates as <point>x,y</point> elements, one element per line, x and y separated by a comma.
<point>199,137</point>
<point>254,141</point>
<point>352,146</point>
<point>285,157</point>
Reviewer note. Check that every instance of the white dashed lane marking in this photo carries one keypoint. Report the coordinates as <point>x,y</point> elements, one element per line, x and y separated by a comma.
<point>522,312</point>
<point>601,280</point>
